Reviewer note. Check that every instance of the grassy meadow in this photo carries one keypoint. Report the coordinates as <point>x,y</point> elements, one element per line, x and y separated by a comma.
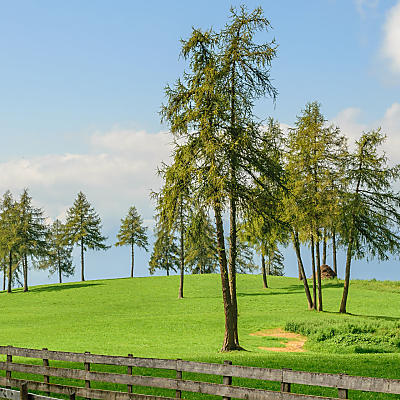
<point>143,316</point>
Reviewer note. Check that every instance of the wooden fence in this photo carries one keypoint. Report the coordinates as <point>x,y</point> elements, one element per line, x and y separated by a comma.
<point>226,371</point>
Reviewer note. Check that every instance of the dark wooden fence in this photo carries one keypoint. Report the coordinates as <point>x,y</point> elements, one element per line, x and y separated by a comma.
<point>226,371</point>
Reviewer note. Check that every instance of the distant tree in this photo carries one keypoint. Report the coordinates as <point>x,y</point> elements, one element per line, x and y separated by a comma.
<point>173,203</point>
<point>165,255</point>
<point>83,228</point>
<point>58,259</point>
<point>131,233</point>
<point>370,213</point>
<point>32,233</point>
<point>9,235</point>
<point>201,244</point>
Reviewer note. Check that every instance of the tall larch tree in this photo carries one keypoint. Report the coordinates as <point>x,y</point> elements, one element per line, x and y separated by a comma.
<point>211,109</point>
<point>371,210</point>
<point>315,159</point>
<point>132,233</point>
<point>83,228</point>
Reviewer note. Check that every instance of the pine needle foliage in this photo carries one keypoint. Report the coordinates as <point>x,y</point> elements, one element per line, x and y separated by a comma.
<point>83,228</point>
<point>132,233</point>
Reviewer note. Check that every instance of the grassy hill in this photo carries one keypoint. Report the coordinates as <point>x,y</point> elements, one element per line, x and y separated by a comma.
<point>143,316</point>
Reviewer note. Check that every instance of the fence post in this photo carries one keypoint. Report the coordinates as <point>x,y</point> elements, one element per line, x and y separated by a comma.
<point>87,369</point>
<point>342,393</point>
<point>227,380</point>
<point>285,386</point>
<point>178,393</point>
<point>72,396</point>
<point>130,373</point>
<point>23,391</point>
<point>46,378</point>
<point>8,373</point>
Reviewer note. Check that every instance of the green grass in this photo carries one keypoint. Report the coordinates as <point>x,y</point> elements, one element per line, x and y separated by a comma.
<point>143,316</point>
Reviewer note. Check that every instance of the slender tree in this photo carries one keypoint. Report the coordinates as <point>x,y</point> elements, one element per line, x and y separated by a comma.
<point>315,160</point>
<point>9,235</point>
<point>371,218</point>
<point>200,244</point>
<point>131,233</point>
<point>212,109</point>
<point>58,258</point>
<point>32,233</point>
<point>165,255</point>
<point>83,228</point>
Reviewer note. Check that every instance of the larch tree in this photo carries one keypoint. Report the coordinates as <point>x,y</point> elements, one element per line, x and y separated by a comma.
<point>371,209</point>
<point>200,243</point>
<point>211,109</point>
<point>9,235</point>
<point>32,232</point>
<point>174,203</point>
<point>315,159</point>
<point>58,259</point>
<point>83,228</point>
<point>165,255</point>
<point>132,233</point>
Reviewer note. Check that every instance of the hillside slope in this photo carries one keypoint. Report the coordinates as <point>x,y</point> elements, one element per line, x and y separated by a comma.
<point>143,316</point>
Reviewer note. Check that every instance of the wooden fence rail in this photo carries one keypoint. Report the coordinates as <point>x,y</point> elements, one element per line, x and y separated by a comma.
<point>225,389</point>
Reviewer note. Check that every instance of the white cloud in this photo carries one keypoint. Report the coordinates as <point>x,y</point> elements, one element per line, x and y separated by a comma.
<point>349,122</point>
<point>391,41</point>
<point>118,170</point>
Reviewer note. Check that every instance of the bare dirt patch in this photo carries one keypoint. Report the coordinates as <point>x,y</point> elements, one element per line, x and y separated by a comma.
<point>295,344</point>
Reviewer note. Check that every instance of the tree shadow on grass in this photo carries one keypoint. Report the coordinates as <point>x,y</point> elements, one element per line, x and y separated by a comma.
<point>60,287</point>
<point>379,317</point>
<point>266,293</point>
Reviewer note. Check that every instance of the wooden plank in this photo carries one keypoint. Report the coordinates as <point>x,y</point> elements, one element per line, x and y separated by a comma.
<point>83,392</point>
<point>285,386</point>
<point>342,381</point>
<point>299,377</point>
<point>184,366</point>
<point>167,383</point>
<point>9,394</point>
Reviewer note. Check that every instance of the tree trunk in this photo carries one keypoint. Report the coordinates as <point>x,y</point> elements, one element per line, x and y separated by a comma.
<point>167,271</point>
<point>59,267</point>
<point>9,273</point>
<point>264,274</point>
<point>229,337</point>
<point>318,261</point>
<point>4,276</point>
<point>132,258</point>
<point>82,262</point>
<point>324,248</point>
<point>181,255</point>
<point>296,244</point>
<point>232,264</point>
<point>314,274</point>
<point>334,261</point>
<point>347,277</point>
<point>25,269</point>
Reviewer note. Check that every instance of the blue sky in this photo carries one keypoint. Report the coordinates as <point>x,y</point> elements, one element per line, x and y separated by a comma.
<point>82,83</point>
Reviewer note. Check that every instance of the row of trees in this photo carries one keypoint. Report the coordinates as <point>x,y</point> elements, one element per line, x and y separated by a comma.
<point>27,239</point>
<point>305,187</point>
